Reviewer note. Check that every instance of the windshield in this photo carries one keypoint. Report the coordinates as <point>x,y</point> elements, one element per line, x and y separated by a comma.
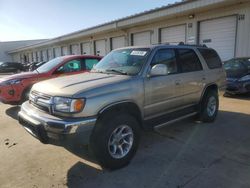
<point>235,64</point>
<point>49,65</point>
<point>124,61</point>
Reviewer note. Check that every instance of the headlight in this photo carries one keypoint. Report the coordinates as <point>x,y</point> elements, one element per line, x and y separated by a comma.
<point>245,78</point>
<point>10,82</point>
<point>63,104</point>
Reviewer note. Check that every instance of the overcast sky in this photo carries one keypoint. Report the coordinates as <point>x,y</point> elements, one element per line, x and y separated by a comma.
<point>36,19</point>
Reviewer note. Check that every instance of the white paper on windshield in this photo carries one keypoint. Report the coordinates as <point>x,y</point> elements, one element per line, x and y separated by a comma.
<point>139,53</point>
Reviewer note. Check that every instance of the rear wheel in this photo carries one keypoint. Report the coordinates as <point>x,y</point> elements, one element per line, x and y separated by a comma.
<point>115,139</point>
<point>209,106</point>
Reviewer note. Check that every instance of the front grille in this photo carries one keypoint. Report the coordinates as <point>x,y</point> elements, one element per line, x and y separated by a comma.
<point>40,101</point>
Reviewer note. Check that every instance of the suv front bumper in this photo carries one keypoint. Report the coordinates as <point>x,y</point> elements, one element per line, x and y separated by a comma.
<point>55,130</point>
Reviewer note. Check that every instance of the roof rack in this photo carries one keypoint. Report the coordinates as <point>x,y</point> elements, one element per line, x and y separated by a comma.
<point>195,45</point>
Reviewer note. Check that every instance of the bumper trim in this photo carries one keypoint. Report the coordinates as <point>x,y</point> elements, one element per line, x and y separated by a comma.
<point>39,123</point>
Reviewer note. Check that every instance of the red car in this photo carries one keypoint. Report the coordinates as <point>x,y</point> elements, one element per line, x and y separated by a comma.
<point>15,89</point>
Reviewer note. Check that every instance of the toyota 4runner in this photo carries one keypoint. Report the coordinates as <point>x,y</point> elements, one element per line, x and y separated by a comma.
<point>130,89</point>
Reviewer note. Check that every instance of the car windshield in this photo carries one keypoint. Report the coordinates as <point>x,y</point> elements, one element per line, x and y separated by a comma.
<point>49,65</point>
<point>123,61</point>
<point>237,64</point>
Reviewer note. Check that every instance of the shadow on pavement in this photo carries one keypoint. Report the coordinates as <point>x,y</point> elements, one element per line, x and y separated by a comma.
<point>245,96</point>
<point>177,155</point>
<point>13,112</point>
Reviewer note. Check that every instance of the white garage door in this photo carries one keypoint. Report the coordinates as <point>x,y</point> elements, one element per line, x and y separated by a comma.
<point>57,52</point>
<point>75,49</point>
<point>86,48</point>
<point>64,50</point>
<point>140,39</point>
<point>50,54</point>
<point>173,35</point>
<point>34,56</point>
<point>100,47</point>
<point>118,42</point>
<point>44,55</point>
<point>30,57</point>
<point>219,34</point>
<point>39,56</point>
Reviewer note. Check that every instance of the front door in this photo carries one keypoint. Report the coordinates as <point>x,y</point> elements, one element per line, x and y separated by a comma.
<point>162,92</point>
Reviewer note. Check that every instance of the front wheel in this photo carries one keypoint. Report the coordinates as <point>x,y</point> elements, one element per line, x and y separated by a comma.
<point>209,106</point>
<point>114,140</point>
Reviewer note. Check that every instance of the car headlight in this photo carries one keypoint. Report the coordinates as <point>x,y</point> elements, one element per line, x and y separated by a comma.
<point>245,78</point>
<point>68,105</point>
<point>10,82</point>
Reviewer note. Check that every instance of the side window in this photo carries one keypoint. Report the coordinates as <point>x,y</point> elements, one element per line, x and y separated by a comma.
<point>189,61</point>
<point>167,57</point>
<point>70,66</point>
<point>89,63</point>
<point>211,57</point>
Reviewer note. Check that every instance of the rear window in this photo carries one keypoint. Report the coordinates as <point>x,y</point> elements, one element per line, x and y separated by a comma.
<point>211,57</point>
<point>189,61</point>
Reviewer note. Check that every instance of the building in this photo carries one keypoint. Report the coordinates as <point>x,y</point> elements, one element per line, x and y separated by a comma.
<point>11,45</point>
<point>220,24</point>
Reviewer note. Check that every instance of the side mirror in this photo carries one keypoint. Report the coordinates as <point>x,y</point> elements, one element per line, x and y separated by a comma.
<point>159,70</point>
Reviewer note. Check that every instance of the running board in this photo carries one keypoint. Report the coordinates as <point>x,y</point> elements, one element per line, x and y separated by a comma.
<point>174,120</point>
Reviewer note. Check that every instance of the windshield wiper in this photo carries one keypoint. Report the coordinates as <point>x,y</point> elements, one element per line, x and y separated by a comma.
<point>117,71</point>
<point>96,71</point>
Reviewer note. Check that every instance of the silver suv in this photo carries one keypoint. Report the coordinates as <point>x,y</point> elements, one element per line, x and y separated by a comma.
<point>129,90</point>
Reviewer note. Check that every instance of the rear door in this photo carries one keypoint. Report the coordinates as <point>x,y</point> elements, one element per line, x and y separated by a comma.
<point>192,77</point>
<point>161,92</point>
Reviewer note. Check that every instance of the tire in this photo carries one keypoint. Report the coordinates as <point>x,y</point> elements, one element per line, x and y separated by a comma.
<point>208,114</point>
<point>103,140</point>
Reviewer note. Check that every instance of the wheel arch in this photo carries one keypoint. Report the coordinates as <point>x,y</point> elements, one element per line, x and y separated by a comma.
<point>209,87</point>
<point>124,106</point>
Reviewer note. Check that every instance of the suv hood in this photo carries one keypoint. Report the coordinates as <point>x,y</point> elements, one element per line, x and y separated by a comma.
<point>72,85</point>
<point>20,76</point>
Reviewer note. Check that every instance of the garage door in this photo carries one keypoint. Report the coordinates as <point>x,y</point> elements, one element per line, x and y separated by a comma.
<point>86,48</point>
<point>30,57</point>
<point>219,34</point>
<point>50,54</point>
<point>140,39</point>
<point>174,34</point>
<point>34,56</point>
<point>64,50</point>
<point>39,56</point>
<point>75,49</point>
<point>44,55</point>
<point>57,52</point>
<point>117,42</point>
<point>100,47</point>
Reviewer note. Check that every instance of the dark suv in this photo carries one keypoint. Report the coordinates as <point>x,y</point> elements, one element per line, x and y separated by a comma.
<point>6,67</point>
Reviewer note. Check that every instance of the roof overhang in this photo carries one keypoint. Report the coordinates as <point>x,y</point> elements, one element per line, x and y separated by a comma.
<point>166,12</point>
